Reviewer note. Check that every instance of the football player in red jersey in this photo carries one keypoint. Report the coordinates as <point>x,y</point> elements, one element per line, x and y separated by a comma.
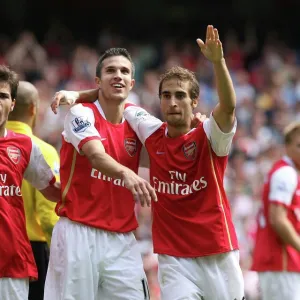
<point>193,232</point>
<point>276,255</point>
<point>99,161</point>
<point>19,158</point>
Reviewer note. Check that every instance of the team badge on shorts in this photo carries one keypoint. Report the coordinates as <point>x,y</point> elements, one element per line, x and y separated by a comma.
<point>190,150</point>
<point>130,146</point>
<point>80,124</point>
<point>14,154</point>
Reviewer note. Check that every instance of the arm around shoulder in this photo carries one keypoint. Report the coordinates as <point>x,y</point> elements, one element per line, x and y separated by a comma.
<point>71,97</point>
<point>141,121</point>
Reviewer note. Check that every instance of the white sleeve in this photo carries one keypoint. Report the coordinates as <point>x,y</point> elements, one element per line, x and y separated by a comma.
<point>219,140</point>
<point>79,126</point>
<point>38,172</point>
<point>141,122</point>
<point>283,184</point>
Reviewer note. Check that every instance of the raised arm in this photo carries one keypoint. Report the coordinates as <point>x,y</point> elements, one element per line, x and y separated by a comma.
<point>72,97</point>
<point>224,112</point>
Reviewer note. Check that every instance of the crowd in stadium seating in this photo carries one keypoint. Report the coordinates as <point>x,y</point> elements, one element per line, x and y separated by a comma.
<point>267,85</point>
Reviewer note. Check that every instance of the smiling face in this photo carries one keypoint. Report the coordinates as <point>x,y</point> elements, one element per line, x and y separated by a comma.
<point>176,103</point>
<point>115,79</point>
<point>6,102</point>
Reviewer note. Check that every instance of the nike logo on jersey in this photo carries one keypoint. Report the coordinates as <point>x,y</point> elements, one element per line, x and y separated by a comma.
<point>160,152</point>
<point>103,139</point>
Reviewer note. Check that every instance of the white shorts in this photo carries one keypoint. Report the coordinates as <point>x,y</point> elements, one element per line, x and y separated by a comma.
<point>279,285</point>
<point>14,288</point>
<point>215,277</point>
<point>92,264</point>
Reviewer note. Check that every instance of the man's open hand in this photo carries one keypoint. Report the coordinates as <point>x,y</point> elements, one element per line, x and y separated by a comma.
<point>212,48</point>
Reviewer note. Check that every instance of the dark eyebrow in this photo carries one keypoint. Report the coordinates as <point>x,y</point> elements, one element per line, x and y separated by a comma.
<point>125,68</point>
<point>114,67</point>
<point>2,94</point>
<point>176,92</point>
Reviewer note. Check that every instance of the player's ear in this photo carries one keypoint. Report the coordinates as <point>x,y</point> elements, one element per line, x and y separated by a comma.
<point>194,103</point>
<point>13,103</point>
<point>98,81</point>
<point>32,109</point>
<point>132,84</point>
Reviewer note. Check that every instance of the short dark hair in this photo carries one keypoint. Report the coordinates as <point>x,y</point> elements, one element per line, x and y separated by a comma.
<point>181,74</point>
<point>290,130</point>
<point>113,52</point>
<point>10,77</point>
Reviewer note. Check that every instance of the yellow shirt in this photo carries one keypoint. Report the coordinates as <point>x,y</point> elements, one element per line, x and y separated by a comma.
<point>39,212</point>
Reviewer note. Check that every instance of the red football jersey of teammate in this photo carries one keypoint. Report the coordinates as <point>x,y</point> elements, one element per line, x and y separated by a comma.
<point>89,197</point>
<point>192,217</point>
<point>282,187</point>
<point>19,158</point>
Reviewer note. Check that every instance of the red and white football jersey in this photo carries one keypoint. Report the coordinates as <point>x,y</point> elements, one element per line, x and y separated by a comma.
<point>19,158</point>
<point>282,187</point>
<point>192,217</point>
<point>89,197</point>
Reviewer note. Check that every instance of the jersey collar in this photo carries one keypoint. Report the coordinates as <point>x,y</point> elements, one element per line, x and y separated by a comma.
<point>97,103</point>
<point>166,131</point>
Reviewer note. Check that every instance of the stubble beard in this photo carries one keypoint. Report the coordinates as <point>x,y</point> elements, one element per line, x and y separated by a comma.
<point>176,123</point>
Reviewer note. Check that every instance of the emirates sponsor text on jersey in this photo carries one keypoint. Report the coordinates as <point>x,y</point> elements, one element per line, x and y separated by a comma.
<point>175,188</point>
<point>96,174</point>
<point>8,190</point>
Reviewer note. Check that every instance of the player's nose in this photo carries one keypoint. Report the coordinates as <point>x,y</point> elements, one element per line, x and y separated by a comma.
<point>117,74</point>
<point>173,102</point>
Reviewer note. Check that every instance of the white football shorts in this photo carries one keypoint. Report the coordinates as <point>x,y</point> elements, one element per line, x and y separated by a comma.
<point>14,288</point>
<point>87,263</point>
<point>214,277</point>
<point>279,285</point>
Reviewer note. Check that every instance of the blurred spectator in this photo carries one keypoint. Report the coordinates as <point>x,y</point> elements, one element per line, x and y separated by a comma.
<point>27,56</point>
